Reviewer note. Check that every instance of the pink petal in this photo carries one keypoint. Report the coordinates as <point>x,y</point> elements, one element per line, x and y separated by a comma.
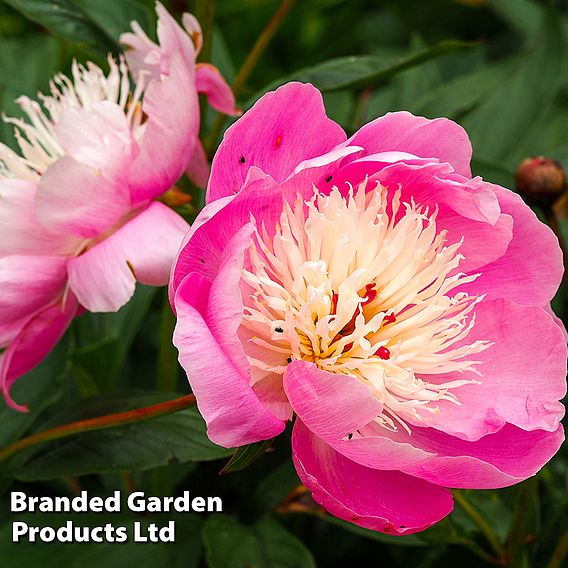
<point>401,131</point>
<point>198,169</point>
<point>386,501</point>
<point>271,394</point>
<point>466,209</point>
<point>331,406</point>
<point>284,127</point>
<point>335,406</point>
<point>103,278</point>
<point>173,39</point>
<point>98,137</point>
<point>203,248</point>
<point>523,375</point>
<point>192,27</point>
<point>29,283</point>
<point>142,54</point>
<point>170,135</point>
<point>85,192</point>
<point>74,199</point>
<point>219,94</point>
<point>21,232</point>
<point>531,269</point>
<point>497,460</point>
<point>233,413</point>
<point>35,340</point>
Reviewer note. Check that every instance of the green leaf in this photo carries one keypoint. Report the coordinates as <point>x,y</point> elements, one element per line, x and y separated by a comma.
<point>523,16</point>
<point>229,544</point>
<point>523,522</point>
<point>274,488</point>
<point>357,72</point>
<point>104,340</point>
<point>65,19</point>
<point>38,389</point>
<point>115,17</point>
<point>502,128</point>
<point>245,455</point>
<point>179,437</point>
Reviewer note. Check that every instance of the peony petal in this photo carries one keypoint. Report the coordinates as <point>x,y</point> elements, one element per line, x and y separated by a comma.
<point>203,248</point>
<point>334,407</point>
<point>497,460</point>
<point>401,131</point>
<point>211,83</point>
<point>192,27</point>
<point>386,501</point>
<point>331,406</point>
<point>198,169</point>
<point>173,41</point>
<point>142,54</point>
<point>467,209</point>
<point>98,137</point>
<point>170,135</point>
<point>523,374</point>
<point>103,278</point>
<point>74,199</point>
<point>35,340</point>
<point>531,269</point>
<point>283,128</point>
<point>29,283</point>
<point>233,413</point>
<point>84,193</point>
<point>22,233</point>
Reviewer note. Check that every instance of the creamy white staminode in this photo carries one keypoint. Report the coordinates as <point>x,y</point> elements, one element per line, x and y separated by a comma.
<point>361,285</point>
<point>89,85</point>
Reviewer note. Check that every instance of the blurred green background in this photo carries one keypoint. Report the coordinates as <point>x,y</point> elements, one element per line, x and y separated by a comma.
<point>498,67</point>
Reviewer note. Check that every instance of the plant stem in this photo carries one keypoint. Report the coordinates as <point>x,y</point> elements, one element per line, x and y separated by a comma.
<point>483,525</point>
<point>167,377</point>
<point>249,64</point>
<point>560,552</point>
<point>205,13</point>
<point>99,423</point>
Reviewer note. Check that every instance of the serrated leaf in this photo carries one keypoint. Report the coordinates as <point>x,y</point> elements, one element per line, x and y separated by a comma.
<point>245,455</point>
<point>230,544</point>
<point>179,437</point>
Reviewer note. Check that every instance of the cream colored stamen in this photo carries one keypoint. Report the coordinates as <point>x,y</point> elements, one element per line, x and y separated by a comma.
<point>361,286</point>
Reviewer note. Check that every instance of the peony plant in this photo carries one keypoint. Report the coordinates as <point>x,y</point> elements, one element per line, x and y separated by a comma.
<point>80,220</point>
<point>372,291</point>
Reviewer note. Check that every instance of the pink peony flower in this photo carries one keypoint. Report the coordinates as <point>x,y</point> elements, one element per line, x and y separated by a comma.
<point>79,220</point>
<point>370,286</point>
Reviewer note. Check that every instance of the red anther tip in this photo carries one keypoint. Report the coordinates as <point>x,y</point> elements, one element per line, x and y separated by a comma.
<point>384,353</point>
<point>390,318</point>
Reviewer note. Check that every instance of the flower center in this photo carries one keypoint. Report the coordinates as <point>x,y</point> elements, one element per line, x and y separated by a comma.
<point>361,286</point>
<point>89,85</point>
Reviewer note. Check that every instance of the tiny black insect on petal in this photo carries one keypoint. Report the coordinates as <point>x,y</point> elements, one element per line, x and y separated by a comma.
<point>289,359</point>
<point>349,436</point>
<point>278,330</point>
<point>242,159</point>
<point>328,179</point>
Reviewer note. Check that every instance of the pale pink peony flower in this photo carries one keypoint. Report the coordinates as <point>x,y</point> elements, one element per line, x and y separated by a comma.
<point>396,305</point>
<point>79,220</point>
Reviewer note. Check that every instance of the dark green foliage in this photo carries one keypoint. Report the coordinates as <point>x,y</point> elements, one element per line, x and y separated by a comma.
<point>499,67</point>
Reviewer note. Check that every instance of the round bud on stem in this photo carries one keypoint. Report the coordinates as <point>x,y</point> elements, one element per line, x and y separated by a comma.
<point>541,180</point>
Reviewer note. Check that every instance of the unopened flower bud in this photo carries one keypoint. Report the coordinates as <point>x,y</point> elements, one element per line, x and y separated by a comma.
<point>541,180</point>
